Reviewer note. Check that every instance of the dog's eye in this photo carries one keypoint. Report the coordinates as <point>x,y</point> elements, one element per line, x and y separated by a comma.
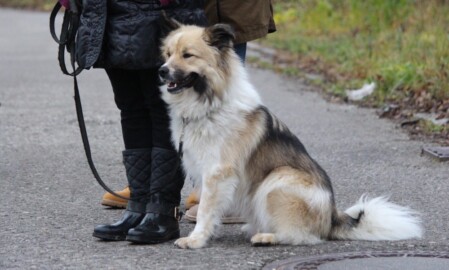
<point>187,55</point>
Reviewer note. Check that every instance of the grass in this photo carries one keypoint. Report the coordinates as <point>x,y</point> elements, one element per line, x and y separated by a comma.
<point>402,45</point>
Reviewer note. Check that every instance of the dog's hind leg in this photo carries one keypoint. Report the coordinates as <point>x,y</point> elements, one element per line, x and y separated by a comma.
<point>289,220</point>
<point>291,209</point>
<point>217,193</point>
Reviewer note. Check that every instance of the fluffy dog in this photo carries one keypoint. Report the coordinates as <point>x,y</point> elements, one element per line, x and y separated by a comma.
<point>247,158</point>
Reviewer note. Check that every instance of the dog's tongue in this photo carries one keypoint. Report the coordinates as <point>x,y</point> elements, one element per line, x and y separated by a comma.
<point>172,85</point>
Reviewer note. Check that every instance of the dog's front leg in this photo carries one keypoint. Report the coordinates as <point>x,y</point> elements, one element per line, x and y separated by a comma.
<point>217,192</point>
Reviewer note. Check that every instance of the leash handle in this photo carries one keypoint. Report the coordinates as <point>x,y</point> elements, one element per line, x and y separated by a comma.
<point>66,40</point>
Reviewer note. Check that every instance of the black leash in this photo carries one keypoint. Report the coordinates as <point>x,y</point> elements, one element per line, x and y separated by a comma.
<point>67,41</point>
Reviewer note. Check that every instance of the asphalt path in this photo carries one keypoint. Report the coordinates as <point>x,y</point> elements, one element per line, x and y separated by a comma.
<point>50,201</point>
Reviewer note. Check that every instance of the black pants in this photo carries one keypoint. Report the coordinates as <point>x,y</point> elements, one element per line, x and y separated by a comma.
<point>144,116</point>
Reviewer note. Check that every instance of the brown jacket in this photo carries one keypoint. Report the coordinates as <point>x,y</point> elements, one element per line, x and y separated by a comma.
<point>251,19</point>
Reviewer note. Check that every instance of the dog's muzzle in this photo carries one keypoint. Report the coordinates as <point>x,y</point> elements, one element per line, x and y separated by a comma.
<point>174,84</point>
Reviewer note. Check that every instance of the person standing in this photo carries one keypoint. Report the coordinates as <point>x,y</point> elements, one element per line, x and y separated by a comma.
<point>123,37</point>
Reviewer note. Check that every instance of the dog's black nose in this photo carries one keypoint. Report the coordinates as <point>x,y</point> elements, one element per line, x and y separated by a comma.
<point>163,71</point>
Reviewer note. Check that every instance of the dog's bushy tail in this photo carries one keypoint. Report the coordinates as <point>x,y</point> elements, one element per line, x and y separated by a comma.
<point>376,219</point>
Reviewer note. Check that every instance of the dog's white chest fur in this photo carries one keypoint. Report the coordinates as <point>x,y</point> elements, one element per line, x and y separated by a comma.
<point>205,138</point>
<point>202,141</point>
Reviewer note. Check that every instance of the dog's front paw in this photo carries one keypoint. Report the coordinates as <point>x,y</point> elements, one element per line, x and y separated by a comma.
<point>191,242</point>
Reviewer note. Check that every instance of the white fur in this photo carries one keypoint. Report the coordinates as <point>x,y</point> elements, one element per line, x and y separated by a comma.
<point>382,220</point>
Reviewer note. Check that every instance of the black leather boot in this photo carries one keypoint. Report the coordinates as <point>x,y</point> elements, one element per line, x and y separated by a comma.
<point>138,171</point>
<point>160,223</point>
<point>117,231</point>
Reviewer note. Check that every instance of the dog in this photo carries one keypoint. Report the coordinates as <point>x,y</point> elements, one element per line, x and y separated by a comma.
<point>246,158</point>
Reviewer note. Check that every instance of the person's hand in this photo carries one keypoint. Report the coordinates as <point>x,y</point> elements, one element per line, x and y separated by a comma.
<point>165,2</point>
<point>66,3</point>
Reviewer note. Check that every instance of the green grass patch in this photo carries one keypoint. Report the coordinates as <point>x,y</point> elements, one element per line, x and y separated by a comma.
<point>402,45</point>
<point>429,127</point>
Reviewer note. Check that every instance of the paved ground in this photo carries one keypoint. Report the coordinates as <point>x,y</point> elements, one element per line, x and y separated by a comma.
<point>50,202</point>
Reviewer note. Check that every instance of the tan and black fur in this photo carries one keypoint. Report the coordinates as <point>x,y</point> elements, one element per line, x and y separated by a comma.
<point>244,157</point>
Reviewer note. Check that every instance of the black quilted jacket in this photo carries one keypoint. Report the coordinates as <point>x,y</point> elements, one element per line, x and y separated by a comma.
<point>126,33</point>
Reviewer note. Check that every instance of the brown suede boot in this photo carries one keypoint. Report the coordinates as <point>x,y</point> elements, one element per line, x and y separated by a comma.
<point>113,201</point>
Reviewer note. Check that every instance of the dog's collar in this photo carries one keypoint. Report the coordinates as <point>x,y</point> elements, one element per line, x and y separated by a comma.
<point>185,121</point>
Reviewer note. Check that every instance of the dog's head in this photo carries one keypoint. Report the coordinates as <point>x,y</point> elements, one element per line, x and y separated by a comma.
<point>197,60</point>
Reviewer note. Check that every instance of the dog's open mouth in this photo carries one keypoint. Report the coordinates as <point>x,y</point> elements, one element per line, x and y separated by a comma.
<point>175,87</point>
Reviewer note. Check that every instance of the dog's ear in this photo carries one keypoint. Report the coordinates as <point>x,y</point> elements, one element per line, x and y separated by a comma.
<point>220,35</point>
<point>167,24</point>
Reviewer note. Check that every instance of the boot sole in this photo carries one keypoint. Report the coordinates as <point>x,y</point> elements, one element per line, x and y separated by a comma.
<point>114,204</point>
<point>140,240</point>
<point>108,237</point>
